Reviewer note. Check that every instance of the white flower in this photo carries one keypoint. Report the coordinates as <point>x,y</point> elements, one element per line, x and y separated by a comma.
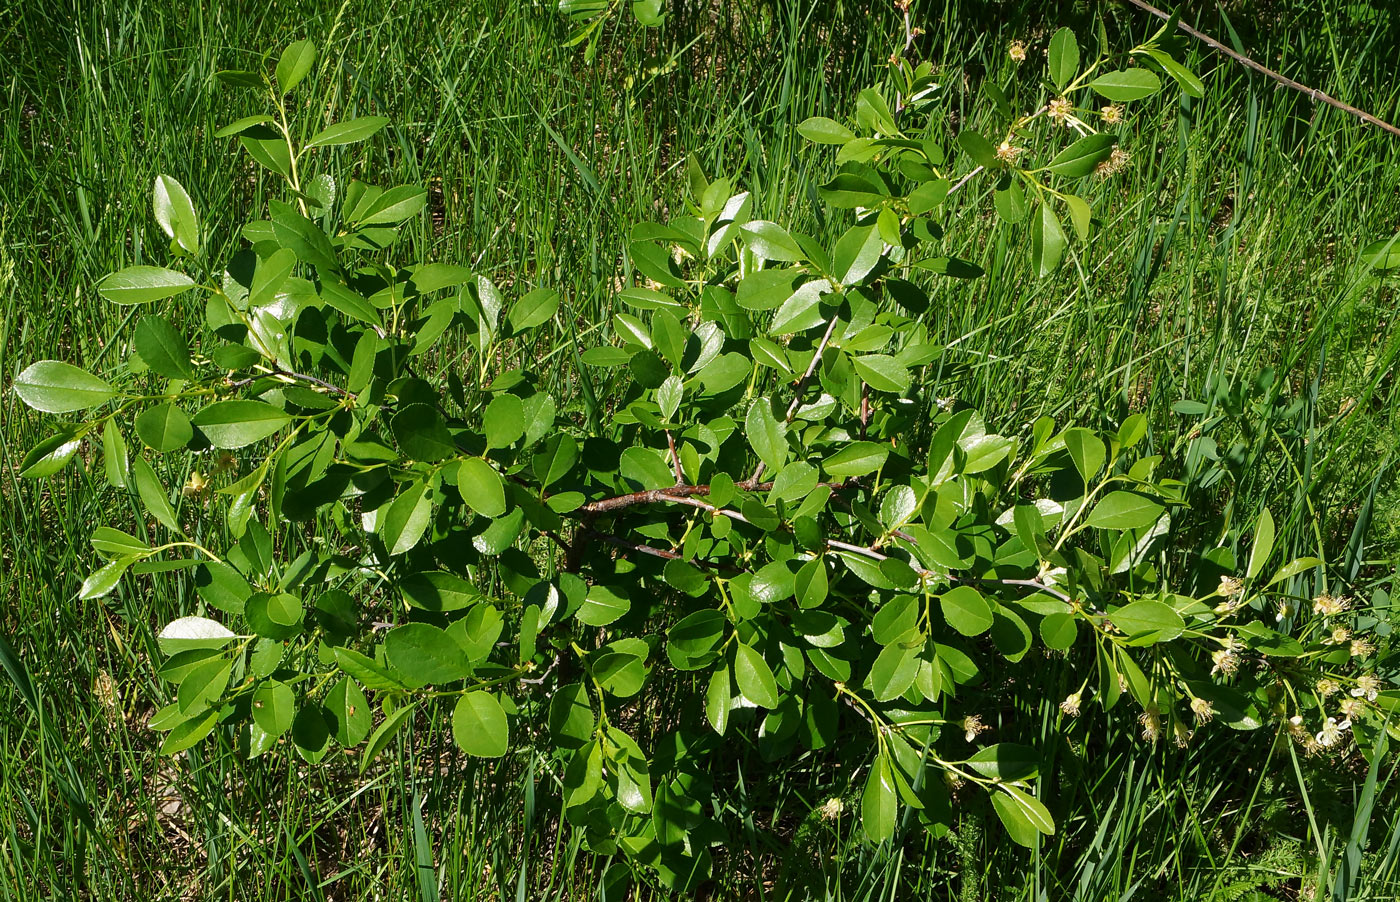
<point>1368,686</point>
<point>1332,732</point>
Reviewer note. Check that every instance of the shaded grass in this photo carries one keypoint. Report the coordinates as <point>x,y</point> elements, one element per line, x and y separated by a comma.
<point>1227,250</point>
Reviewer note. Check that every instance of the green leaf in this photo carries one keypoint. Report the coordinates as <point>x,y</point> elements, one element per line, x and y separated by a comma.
<point>571,719</point>
<point>1124,510</point>
<point>238,126</point>
<point>220,585</point>
<point>164,427</point>
<point>271,274</point>
<point>163,348</point>
<point>349,713</point>
<point>879,803</point>
<point>51,455</point>
<point>105,578</point>
<point>718,700</point>
<point>1146,622</point>
<point>1047,241</point>
<point>1080,158</point>
<point>384,734</point>
<point>424,655</point>
<point>56,387</point>
<point>294,65</point>
<point>802,309</point>
<point>504,421</point>
<point>978,147</point>
<point>236,422</point>
<point>480,487</point>
<point>1010,202</point>
<point>274,707</point>
<point>422,433</point>
<point>347,132</point>
<point>1059,630</point>
<point>394,206</point>
<point>1022,814</point>
<point>193,632</point>
<point>269,150</point>
<point>479,725</point>
<point>928,196</point>
<point>603,605</point>
<point>438,590</point>
<point>883,373</point>
<point>114,455</point>
<point>766,434</point>
<point>142,284</point>
<point>405,519</point>
<point>1189,82</point>
<point>1127,84</point>
<point>856,254</point>
<point>555,460</point>
<point>175,213</point>
<point>771,241</point>
<point>755,677</point>
<point>856,459</point>
<point>152,493</point>
<point>966,610</point>
<point>1007,761</point>
<point>188,733</point>
<point>893,671</point>
<point>1263,543</point>
<point>1063,58</point>
<point>821,130</point>
<point>534,309</point>
<point>1086,450</point>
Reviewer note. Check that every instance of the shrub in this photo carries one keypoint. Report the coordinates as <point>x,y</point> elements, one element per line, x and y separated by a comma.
<point>763,510</point>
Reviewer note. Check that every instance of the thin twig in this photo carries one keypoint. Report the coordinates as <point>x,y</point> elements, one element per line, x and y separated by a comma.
<point>1284,80</point>
<point>801,385</point>
<point>675,458</point>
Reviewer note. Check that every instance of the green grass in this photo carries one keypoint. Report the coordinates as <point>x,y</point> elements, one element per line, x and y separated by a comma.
<point>1227,250</point>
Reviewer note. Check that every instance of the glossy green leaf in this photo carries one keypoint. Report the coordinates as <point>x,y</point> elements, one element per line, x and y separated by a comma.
<point>1080,158</point>
<point>1127,84</point>
<point>425,655</point>
<point>966,610</point>
<point>274,707</point>
<point>404,520</point>
<point>480,487</point>
<point>1147,621</point>
<point>754,677</point>
<point>162,348</point>
<point>143,284</point>
<point>438,590</point>
<point>479,725</point>
<point>349,713</point>
<point>56,387</point>
<point>771,241</point>
<point>883,373</point>
<point>856,459</point>
<point>821,130</point>
<point>1063,57</point>
<point>175,213</point>
<point>237,422</point>
<point>879,802</point>
<point>1124,510</point>
<point>766,434</point>
<point>294,64</point>
<point>164,427</point>
<point>153,495</point>
<point>1263,544</point>
<point>348,132</point>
